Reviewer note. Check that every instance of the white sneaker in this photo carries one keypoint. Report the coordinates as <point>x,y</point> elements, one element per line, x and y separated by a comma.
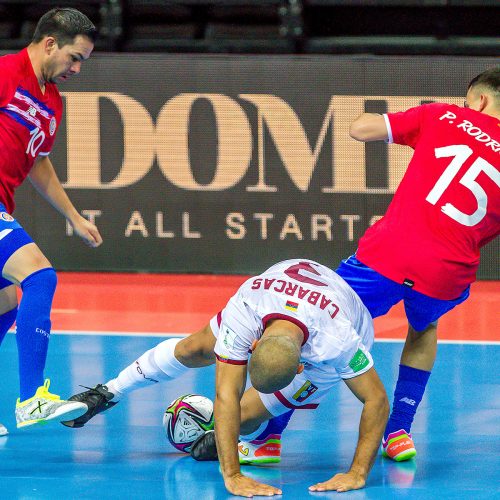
<point>44,406</point>
<point>3,430</point>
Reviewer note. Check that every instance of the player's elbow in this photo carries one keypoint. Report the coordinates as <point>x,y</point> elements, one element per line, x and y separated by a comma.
<point>360,130</point>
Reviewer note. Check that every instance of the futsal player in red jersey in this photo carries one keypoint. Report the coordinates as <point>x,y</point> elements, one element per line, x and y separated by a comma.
<point>426,249</point>
<point>30,113</point>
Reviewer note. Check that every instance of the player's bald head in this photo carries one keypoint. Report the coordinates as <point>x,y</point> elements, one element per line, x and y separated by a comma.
<point>274,362</point>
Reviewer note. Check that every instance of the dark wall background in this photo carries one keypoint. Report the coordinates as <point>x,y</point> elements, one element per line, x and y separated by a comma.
<point>225,139</point>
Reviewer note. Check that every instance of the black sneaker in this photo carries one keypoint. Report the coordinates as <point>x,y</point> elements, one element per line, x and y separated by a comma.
<point>97,399</point>
<point>204,448</point>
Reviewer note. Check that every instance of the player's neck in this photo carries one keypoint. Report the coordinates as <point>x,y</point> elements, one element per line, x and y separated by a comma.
<point>35,59</point>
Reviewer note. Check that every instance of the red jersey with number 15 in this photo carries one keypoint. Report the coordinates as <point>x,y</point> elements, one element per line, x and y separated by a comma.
<point>447,205</point>
<point>28,122</point>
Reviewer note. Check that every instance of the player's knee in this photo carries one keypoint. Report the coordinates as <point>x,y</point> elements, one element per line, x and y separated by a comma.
<point>194,348</point>
<point>44,280</point>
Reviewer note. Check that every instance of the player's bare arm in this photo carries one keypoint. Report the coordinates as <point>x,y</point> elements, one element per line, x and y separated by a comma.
<point>369,127</point>
<point>45,180</point>
<point>370,391</point>
<point>230,384</point>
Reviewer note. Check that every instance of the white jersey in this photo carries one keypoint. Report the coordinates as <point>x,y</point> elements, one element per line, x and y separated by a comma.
<point>338,329</point>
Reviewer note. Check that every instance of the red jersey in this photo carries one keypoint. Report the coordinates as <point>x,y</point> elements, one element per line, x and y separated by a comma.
<point>447,205</point>
<point>28,122</point>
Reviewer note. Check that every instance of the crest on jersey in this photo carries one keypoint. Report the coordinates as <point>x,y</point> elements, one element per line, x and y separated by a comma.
<point>305,391</point>
<point>6,217</point>
<point>52,126</point>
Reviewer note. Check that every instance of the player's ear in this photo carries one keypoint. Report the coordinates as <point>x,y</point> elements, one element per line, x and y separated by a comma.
<point>300,368</point>
<point>483,102</point>
<point>50,43</point>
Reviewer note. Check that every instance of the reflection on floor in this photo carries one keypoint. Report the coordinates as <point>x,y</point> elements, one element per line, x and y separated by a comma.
<point>124,454</point>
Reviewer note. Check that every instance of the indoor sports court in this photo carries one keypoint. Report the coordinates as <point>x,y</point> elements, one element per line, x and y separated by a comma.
<point>125,453</point>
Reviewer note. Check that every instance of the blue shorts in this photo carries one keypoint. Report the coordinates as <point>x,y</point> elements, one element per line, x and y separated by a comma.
<point>379,294</point>
<point>12,237</point>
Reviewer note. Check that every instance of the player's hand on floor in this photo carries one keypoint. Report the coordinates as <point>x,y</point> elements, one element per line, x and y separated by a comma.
<point>246,487</point>
<point>341,482</point>
<point>87,231</point>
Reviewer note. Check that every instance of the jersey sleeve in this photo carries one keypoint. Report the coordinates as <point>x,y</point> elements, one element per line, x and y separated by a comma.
<point>405,127</point>
<point>356,362</point>
<point>234,335</point>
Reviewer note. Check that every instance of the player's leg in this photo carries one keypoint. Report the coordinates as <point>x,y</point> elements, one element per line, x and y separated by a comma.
<point>256,446</point>
<point>260,431</point>
<point>258,442</point>
<point>25,265</point>
<point>417,361</point>
<point>377,293</point>
<point>166,361</point>
<point>8,306</point>
<point>8,311</point>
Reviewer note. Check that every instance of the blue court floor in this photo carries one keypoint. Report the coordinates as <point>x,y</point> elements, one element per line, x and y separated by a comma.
<point>125,454</point>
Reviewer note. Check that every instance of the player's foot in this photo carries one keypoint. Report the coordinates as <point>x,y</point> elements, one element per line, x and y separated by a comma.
<point>399,446</point>
<point>97,400</point>
<point>204,448</point>
<point>3,430</point>
<point>264,451</point>
<point>44,407</point>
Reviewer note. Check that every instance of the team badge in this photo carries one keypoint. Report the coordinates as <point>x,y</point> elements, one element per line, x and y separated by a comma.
<point>52,126</point>
<point>6,217</point>
<point>305,391</point>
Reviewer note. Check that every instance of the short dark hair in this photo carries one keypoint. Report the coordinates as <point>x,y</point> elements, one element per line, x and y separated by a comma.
<point>64,24</point>
<point>490,79</point>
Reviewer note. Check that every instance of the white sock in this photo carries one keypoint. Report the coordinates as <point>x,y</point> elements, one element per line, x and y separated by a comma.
<point>156,365</point>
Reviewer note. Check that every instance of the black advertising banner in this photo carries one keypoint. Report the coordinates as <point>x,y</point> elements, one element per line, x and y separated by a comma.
<point>227,164</point>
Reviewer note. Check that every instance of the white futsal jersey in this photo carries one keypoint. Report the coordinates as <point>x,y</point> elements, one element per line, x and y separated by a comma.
<point>338,329</point>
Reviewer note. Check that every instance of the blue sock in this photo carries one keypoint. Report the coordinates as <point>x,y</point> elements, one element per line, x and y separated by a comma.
<point>407,396</point>
<point>33,329</point>
<point>276,425</point>
<point>6,321</point>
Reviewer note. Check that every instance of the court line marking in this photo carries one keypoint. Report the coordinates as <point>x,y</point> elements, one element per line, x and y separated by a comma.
<point>182,335</point>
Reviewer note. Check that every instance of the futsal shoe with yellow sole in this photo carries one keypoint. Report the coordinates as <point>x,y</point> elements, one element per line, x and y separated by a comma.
<point>263,451</point>
<point>399,446</point>
<point>45,406</point>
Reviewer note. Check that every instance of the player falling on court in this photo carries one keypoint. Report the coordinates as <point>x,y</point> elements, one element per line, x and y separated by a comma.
<point>307,330</point>
<point>30,114</point>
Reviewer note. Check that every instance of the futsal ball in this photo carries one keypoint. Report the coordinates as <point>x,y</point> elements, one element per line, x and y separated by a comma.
<point>187,418</point>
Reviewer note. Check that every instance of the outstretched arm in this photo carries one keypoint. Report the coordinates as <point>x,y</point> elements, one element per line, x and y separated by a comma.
<point>369,390</point>
<point>369,127</point>
<point>230,384</point>
<point>45,180</point>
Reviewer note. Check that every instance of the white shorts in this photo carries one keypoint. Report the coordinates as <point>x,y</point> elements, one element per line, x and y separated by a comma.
<point>305,392</point>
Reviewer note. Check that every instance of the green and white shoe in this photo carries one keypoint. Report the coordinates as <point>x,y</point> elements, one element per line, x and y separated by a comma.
<point>45,407</point>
